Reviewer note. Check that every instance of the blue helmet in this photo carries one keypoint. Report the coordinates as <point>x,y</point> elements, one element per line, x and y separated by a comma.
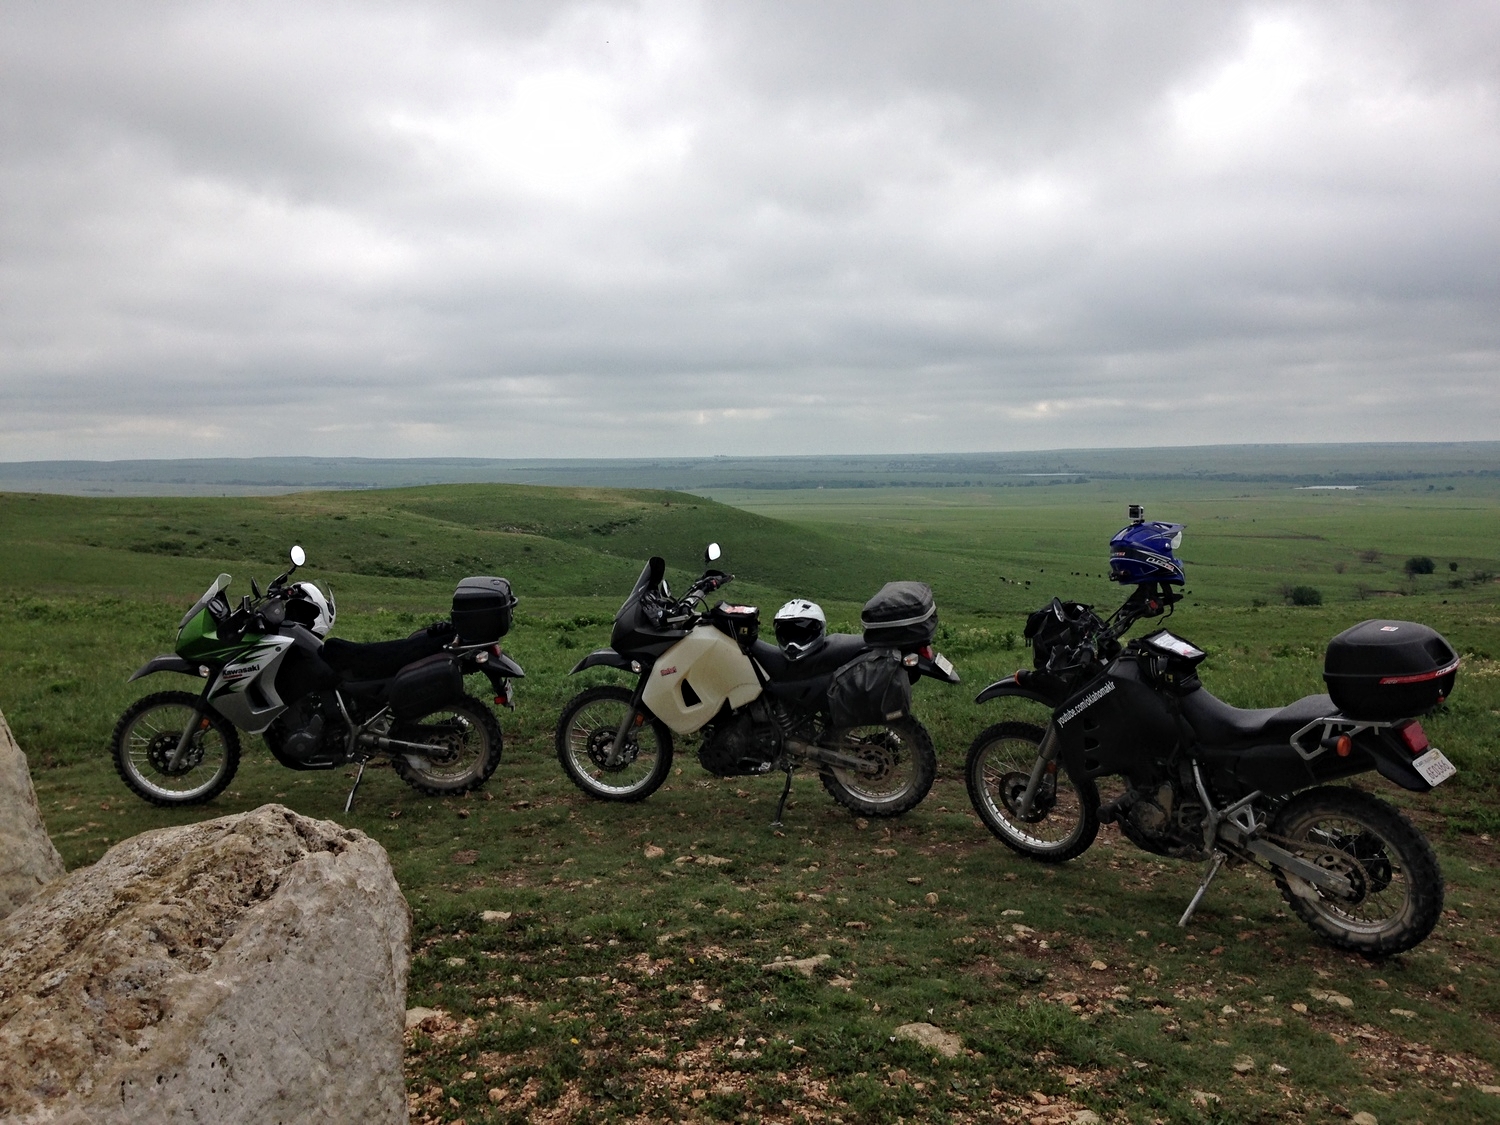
<point>1142,552</point>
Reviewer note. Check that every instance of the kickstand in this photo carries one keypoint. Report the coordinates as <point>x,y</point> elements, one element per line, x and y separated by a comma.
<point>360,776</point>
<point>1208,877</point>
<point>781,804</point>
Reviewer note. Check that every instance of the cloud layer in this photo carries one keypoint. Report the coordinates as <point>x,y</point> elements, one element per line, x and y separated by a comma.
<point>607,229</point>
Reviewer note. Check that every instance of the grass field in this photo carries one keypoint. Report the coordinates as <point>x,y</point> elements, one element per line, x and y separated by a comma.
<point>625,978</point>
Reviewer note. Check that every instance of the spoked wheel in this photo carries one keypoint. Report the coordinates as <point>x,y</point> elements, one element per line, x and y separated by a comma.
<point>898,769</point>
<point>585,745</point>
<point>1063,819</point>
<point>145,745</point>
<point>466,744</point>
<point>1396,893</point>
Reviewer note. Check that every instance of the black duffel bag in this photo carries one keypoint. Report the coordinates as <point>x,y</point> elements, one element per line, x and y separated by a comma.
<point>873,688</point>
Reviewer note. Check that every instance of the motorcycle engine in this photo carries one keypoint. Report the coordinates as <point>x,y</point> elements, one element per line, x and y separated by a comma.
<point>302,739</point>
<point>737,746</point>
<point>1161,820</point>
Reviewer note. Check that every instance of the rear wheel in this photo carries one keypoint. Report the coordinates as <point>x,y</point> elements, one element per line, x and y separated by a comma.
<point>466,744</point>
<point>145,743</point>
<point>1063,819</point>
<point>586,734</point>
<point>1397,885</point>
<point>898,768</point>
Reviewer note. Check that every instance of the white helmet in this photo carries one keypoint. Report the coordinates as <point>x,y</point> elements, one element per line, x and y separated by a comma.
<point>307,606</point>
<point>800,627</point>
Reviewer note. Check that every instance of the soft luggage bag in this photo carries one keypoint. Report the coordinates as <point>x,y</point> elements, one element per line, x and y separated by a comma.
<point>902,615</point>
<point>873,688</point>
<point>426,686</point>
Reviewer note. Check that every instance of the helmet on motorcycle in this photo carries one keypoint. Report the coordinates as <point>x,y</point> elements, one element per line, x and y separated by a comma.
<point>1142,553</point>
<point>306,605</point>
<point>800,627</point>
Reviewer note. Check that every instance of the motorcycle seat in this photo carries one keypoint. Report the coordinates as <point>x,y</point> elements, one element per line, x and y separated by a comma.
<point>379,660</point>
<point>1219,725</point>
<point>836,651</point>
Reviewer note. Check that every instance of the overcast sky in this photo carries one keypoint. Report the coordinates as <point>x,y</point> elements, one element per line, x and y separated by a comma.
<point>614,229</point>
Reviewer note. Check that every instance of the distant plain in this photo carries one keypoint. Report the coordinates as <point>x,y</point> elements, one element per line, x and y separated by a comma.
<point>623,986</point>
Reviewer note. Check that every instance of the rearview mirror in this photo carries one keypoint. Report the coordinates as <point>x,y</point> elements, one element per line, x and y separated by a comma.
<point>299,556</point>
<point>712,554</point>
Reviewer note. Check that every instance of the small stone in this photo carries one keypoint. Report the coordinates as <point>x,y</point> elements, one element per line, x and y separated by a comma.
<point>1098,966</point>
<point>455,962</point>
<point>699,1095</point>
<point>1300,1008</point>
<point>1363,1118</point>
<point>1491,1090</point>
<point>653,852</point>
<point>915,880</point>
<point>931,898</point>
<point>495,916</point>
<point>416,1017</point>
<point>1331,997</point>
<point>714,860</point>
<point>861,823</point>
<point>1406,1012</point>
<point>1277,1068</point>
<point>932,1037</point>
<point>1203,1098</point>
<point>1087,1117</point>
<point>1012,913</point>
<point>806,965</point>
<point>496,1095</point>
<point>1244,1064</point>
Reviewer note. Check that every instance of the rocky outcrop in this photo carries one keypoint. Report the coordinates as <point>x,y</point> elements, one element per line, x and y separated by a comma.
<point>246,969</point>
<point>27,857</point>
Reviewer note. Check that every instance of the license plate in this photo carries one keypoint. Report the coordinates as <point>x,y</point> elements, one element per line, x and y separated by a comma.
<point>1434,767</point>
<point>944,663</point>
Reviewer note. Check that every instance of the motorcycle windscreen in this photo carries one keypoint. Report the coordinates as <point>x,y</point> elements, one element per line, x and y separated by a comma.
<point>693,678</point>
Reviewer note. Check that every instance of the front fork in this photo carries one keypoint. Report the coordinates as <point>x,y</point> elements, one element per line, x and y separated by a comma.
<point>198,725</point>
<point>633,718</point>
<point>1046,762</point>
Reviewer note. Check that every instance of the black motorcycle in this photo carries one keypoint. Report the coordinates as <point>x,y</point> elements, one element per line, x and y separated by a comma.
<point>1207,781</point>
<point>840,703</point>
<point>318,703</point>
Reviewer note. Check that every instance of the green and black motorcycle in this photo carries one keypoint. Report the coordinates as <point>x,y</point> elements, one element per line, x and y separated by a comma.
<point>319,703</point>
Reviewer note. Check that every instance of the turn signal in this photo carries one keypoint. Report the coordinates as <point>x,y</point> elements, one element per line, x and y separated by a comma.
<point>1343,746</point>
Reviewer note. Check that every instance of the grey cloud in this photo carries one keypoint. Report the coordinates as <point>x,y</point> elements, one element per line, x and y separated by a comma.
<point>530,228</point>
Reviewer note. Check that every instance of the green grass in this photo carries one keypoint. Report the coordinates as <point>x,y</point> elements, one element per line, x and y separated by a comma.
<point>622,986</point>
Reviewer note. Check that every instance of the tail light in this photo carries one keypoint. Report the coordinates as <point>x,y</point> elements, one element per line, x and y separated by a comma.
<point>925,652</point>
<point>1414,736</point>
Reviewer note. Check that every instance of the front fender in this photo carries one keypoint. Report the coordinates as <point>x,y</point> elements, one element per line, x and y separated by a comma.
<point>164,664</point>
<point>1016,687</point>
<point>605,657</point>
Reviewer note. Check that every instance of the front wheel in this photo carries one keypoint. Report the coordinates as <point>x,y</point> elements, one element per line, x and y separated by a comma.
<point>897,770</point>
<point>586,733</point>
<point>145,746</point>
<point>1397,885</point>
<point>1063,819</point>
<point>465,741</point>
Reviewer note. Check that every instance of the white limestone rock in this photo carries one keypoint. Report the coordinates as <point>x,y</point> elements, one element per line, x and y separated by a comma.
<point>27,858</point>
<point>245,969</point>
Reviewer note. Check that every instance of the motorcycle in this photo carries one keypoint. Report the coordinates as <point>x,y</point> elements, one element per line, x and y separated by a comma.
<point>317,703</point>
<point>840,703</point>
<point>1207,781</point>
